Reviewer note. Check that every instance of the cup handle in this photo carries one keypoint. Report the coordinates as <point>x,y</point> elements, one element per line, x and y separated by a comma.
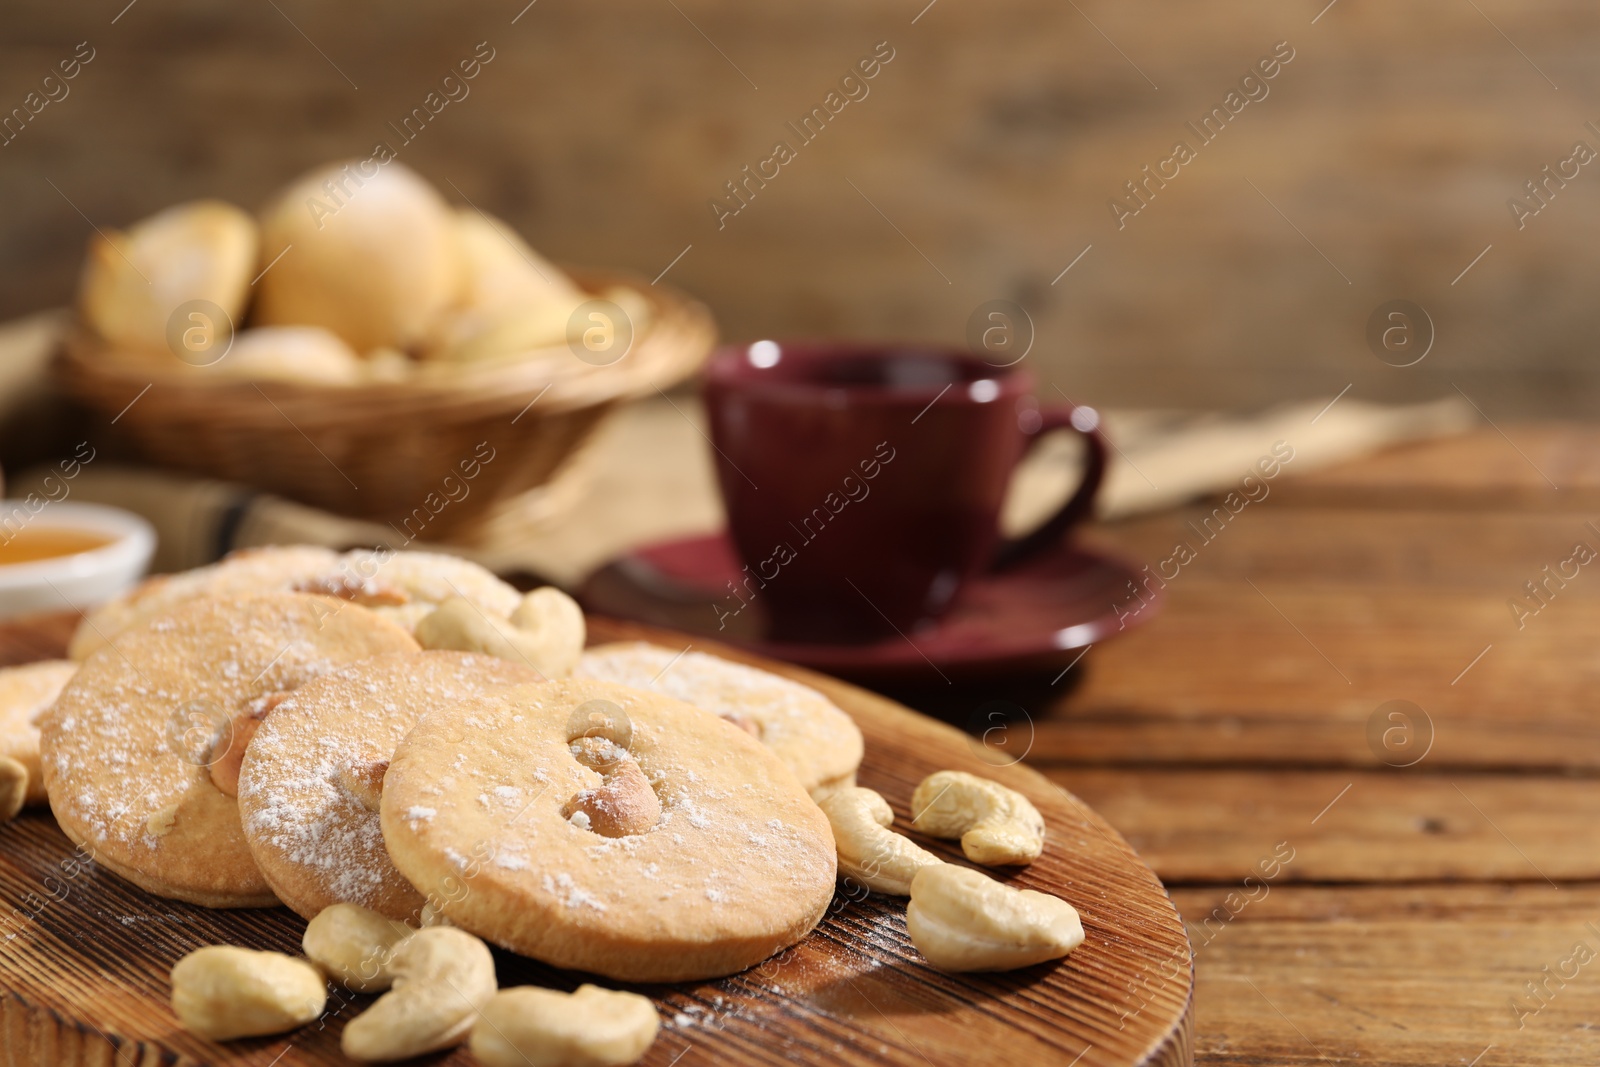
<point>1050,533</point>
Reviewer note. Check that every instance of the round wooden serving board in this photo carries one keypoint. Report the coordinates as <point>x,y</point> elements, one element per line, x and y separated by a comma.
<point>84,956</point>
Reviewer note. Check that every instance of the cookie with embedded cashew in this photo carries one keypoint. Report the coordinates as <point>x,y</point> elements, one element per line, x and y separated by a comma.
<point>141,746</point>
<point>312,776</point>
<point>25,694</point>
<point>244,573</point>
<point>405,586</point>
<point>803,728</point>
<point>490,806</point>
<point>421,581</point>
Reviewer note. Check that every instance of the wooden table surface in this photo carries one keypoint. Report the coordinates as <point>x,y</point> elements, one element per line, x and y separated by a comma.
<point>1401,895</point>
<point>1361,888</point>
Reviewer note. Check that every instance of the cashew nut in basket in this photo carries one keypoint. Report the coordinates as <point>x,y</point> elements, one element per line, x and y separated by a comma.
<point>869,851</point>
<point>996,825</point>
<point>546,631</point>
<point>222,992</point>
<point>353,945</point>
<point>963,920</point>
<point>442,978</point>
<point>593,1027</point>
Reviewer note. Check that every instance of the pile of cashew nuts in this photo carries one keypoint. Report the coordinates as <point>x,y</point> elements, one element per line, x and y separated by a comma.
<point>438,986</point>
<point>958,918</point>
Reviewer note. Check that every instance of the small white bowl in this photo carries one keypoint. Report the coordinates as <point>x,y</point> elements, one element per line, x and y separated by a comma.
<point>80,580</point>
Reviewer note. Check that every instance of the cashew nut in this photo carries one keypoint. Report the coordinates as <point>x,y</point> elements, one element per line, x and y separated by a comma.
<point>557,621</point>
<point>593,1027</point>
<point>161,821</point>
<point>963,920</point>
<point>227,754</point>
<point>869,851</point>
<point>442,978</point>
<point>996,825</point>
<point>624,803</point>
<point>13,787</point>
<point>546,631</point>
<point>364,780</point>
<point>353,944</point>
<point>222,992</point>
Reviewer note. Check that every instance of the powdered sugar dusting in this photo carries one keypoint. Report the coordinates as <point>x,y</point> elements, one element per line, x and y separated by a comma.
<point>132,735</point>
<point>301,816</point>
<point>814,739</point>
<point>738,847</point>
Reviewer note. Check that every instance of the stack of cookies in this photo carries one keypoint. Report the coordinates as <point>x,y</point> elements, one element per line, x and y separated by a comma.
<point>413,755</point>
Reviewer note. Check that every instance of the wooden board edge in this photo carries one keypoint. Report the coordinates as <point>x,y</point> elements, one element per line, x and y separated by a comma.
<point>32,1035</point>
<point>1175,1048</point>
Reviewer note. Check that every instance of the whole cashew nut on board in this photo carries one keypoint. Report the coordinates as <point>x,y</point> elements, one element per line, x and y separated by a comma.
<point>546,631</point>
<point>593,1027</point>
<point>963,920</point>
<point>996,825</point>
<point>442,978</point>
<point>869,851</point>
<point>223,992</point>
<point>353,945</point>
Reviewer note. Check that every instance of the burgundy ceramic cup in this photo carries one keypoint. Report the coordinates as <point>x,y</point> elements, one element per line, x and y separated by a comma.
<point>863,482</point>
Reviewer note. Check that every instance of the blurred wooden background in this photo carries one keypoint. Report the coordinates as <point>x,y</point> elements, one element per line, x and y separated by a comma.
<point>992,142</point>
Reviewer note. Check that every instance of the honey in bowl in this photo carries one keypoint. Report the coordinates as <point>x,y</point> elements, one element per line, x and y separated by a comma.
<point>33,543</point>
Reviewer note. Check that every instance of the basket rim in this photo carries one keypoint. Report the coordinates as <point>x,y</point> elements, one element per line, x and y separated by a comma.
<point>680,336</point>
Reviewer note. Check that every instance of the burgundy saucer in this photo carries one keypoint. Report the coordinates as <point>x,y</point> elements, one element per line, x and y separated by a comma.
<point>1033,617</point>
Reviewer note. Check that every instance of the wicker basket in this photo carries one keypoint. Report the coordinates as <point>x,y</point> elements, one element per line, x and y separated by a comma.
<point>383,451</point>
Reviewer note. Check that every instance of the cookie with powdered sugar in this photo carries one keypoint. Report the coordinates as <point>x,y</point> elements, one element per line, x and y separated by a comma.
<point>813,737</point>
<point>608,829</point>
<point>312,777</point>
<point>26,693</point>
<point>141,751</point>
<point>405,586</point>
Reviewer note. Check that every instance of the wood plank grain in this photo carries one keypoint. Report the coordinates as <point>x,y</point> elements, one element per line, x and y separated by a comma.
<point>1226,658</point>
<point>1214,826</point>
<point>82,947</point>
<point>1293,627</point>
<point>995,141</point>
<point>1396,976</point>
<point>1515,466</point>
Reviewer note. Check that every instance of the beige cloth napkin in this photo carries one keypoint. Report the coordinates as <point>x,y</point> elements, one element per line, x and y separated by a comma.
<point>647,476</point>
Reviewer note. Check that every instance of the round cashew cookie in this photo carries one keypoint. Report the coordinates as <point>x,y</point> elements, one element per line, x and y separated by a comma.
<point>427,579</point>
<point>312,775</point>
<point>250,571</point>
<point>406,586</point>
<point>138,750</point>
<point>813,738</point>
<point>609,830</point>
<point>26,692</point>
